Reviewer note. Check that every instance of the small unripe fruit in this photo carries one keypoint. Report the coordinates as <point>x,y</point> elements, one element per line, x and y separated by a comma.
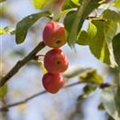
<point>55,61</point>
<point>53,82</point>
<point>54,35</point>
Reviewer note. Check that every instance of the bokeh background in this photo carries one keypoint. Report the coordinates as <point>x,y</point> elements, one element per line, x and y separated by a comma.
<point>62,106</point>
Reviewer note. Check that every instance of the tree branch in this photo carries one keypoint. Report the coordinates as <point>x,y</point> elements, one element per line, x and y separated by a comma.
<point>21,63</point>
<point>6,107</point>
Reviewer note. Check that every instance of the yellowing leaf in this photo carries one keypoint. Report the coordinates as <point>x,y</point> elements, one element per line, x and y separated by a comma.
<point>39,3</point>
<point>91,77</point>
<point>2,31</point>
<point>76,2</point>
<point>3,91</point>
<point>7,30</point>
<point>117,4</point>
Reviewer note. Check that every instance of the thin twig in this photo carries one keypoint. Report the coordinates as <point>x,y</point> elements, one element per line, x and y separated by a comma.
<point>21,63</point>
<point>6,107</point>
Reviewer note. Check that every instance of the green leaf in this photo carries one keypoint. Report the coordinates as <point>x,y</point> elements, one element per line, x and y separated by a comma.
<point>92,30</point>
<point>91,76</point>
<point>69,4</point>
<point>116,48</point>
<point>26,23</point>
<point>111,15</point>
<point>117,4</point>
<point>2,1</point>
<point>88,90</point>
<point>49,4</point>
<point>3,91</point>
<point>69,20</point>
<point>84,38</point>
<point>76,2</point>
<point>77,18</point>
<point>7,30</point>
<point>100,46</point>
<point>39,3</point>
<point>109,102</point>
<point>99,36</point>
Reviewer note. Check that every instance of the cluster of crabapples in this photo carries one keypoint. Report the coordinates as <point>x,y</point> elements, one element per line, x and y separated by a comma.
<point>55,60</point>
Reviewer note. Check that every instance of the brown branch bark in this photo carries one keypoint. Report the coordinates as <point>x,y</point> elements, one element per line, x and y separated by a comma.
<point>21,63</point>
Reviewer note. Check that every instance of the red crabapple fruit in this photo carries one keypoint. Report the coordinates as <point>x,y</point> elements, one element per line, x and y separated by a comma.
<point>53,82</point>
<point>55,61</point>
<point>54,35</point>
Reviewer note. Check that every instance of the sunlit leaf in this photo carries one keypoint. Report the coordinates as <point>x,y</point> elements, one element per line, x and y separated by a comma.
<point>100,46</point>
<point>91,76</point>
<point>26,23</point>
<point>69,5</point>
<point>99,36</point>
<point>39,3</point>
<point>76,2</point>
<point>85,37</point>
<point>2,31</point>
<point>117,4</point>
<point>7,30</point>
<point>76,20</point>
<point>49,4</point>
